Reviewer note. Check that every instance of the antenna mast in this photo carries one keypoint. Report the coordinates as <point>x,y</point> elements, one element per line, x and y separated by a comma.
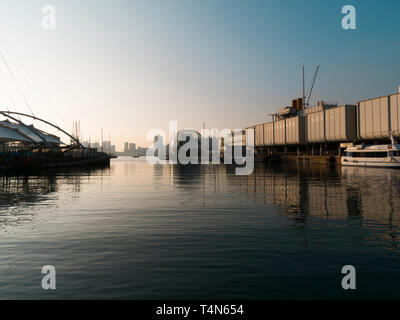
<point>312,86</point>
<point>304,93</point>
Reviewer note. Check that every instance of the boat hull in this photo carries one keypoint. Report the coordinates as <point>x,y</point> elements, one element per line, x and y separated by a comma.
<point>45,164</point>
<point>368,162</point>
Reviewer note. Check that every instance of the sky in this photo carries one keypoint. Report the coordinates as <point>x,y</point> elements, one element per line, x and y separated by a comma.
<point>129,66</point>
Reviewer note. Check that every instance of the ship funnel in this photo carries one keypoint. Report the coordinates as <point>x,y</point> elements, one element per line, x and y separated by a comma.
<point>300,103</point>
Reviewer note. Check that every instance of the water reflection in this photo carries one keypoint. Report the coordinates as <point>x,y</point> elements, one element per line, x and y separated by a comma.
<point>328,191</point>
<point>303,192</point>
<point>19,194</point>
<point>201,231</point>
<point>189,177</point>
<point>300,190</point>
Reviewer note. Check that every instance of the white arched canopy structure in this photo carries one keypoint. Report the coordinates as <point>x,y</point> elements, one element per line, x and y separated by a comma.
<point>9,114</point>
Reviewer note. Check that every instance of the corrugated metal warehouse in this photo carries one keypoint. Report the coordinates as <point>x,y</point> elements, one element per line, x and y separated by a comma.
<point>330,125</point>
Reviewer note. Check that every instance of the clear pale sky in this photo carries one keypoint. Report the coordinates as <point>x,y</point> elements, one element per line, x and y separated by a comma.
<point>130,66</point>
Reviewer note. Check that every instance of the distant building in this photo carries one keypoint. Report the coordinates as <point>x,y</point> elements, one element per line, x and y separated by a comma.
<point>132,148</point>
<point>107,146</point>
<point>85,144</point>
<point>141,151</point>
<point>95,145</point>
<point>112,149</point>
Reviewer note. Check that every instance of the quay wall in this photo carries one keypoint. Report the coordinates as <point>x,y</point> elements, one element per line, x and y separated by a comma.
<point>327,128</point>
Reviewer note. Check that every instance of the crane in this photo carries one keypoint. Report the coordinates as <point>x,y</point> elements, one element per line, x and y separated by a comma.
<point>312,86</point>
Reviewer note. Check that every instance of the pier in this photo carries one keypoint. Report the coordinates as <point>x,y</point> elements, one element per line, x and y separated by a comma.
<point>25,148</point>
<point>321,133</point>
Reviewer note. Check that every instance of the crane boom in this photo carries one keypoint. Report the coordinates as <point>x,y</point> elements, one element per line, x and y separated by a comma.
<point>312,86</point>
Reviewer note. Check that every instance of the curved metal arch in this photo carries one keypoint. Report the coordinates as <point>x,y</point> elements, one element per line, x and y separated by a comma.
<point>7,114</point>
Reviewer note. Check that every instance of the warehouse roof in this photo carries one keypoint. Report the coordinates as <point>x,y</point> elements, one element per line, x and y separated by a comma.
<point>8,134</point>
<point>11,131</point>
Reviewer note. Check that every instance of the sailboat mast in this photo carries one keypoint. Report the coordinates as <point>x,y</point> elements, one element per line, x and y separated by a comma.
<point>102,143</point>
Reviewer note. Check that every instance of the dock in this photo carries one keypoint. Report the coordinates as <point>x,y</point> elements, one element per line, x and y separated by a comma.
<point>322,132</point>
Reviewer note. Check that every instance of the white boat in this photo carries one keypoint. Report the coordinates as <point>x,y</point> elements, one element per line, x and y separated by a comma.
<point>384,155</point>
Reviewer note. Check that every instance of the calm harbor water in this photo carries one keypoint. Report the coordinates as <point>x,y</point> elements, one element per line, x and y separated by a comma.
<point>137,231</point>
